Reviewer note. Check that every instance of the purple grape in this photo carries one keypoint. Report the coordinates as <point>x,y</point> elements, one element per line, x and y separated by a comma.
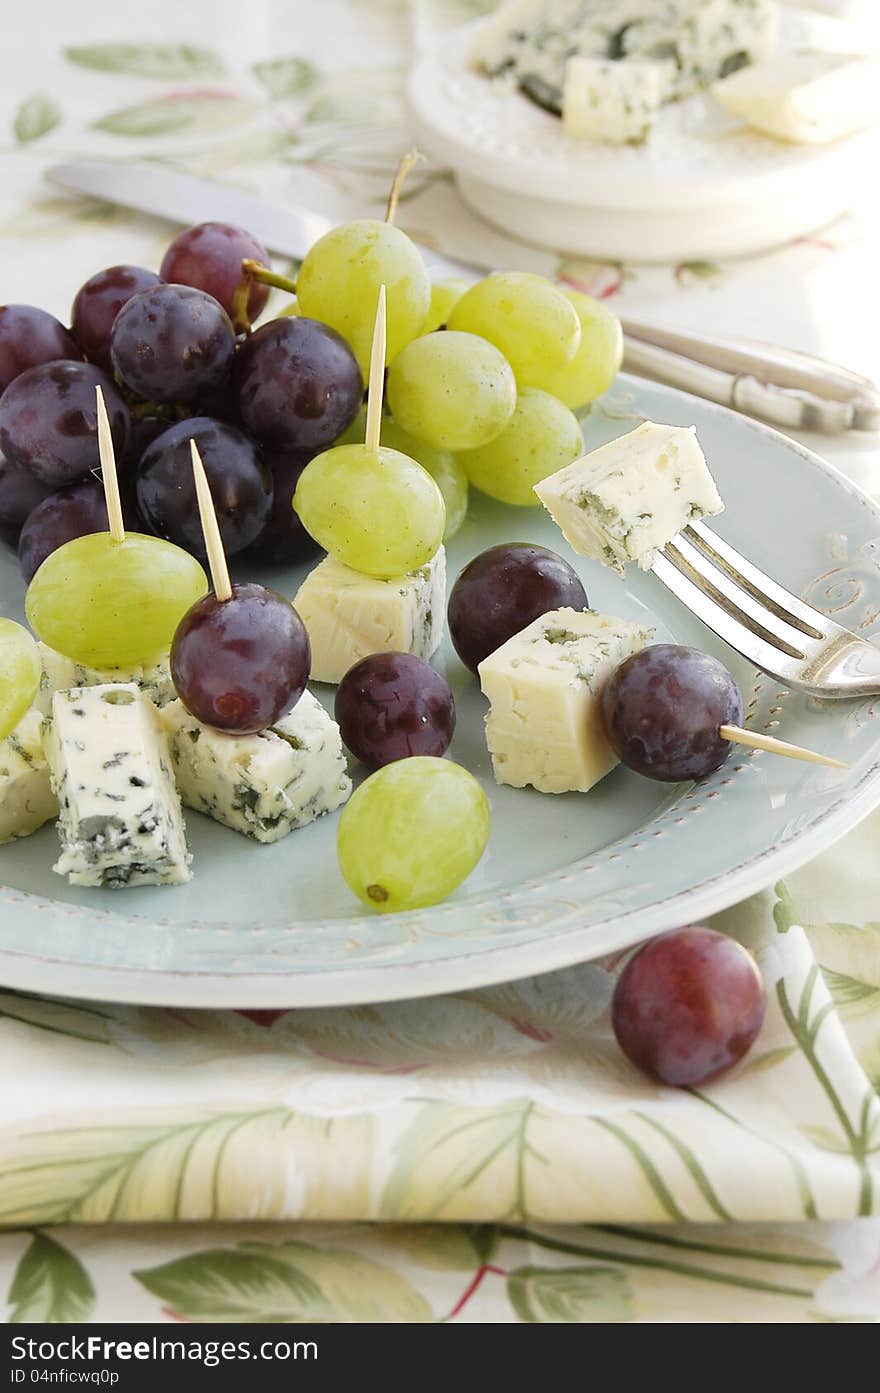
<point>20,493</point>
<point>209,256</point>
<point>144,430</point>
<point>172,343</point>
<point>298,385</point>
<point>97,304</point>
<point>504,589</point>
<point>48,421</point>
<point>241,664</point>
<point>72,512</point>
<point>284,538</point>
<point>688,1006</point>
<point>662,709</point>
<point>29,337</point>
<point>392,705</point>
<point>241,485</point>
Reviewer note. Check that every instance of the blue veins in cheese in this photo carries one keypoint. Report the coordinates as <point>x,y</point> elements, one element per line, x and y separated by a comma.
<point>624,501</point>
<point>60,674</point>
<point>263,785</point>
<point>807,98</point>
<point>120,820</point>
<point>349,616</point>
<point>26,797</point>
<point>613,102</point>
<point>695,41</point>
<point>544,685</point>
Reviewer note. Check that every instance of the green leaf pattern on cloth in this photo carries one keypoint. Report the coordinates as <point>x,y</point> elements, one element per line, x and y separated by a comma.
<point>167,61</point>
<point>35,117</point>
<point>50,1285</point>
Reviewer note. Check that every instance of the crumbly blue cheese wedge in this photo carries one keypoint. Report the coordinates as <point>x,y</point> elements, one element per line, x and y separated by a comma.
<point>809,98</point>
<point>698,41</point>
<point>613,102</point>
<point>266,784</point>
<point>348,615</point>
<point>626,500</point>
<point>544,685</point>
<point>120,820</point>
<point>26,797</point>
<point>60,674</point>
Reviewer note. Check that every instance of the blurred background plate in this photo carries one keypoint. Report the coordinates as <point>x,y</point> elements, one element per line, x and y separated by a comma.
<point>565,878</point>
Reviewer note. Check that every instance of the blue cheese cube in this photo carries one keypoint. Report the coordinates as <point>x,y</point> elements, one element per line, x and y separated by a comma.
<point>348,615</point>
<point>544,686</point>
<point>808,98</point>
<point>626,500</point>
<point>263,785</point>
<point>613,102</point>
<point>26,797</point>
<point>61,674</point>
<point>120,820</point>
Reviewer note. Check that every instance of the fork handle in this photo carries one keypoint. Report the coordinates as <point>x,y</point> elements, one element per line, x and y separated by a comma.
<point>790,389</point>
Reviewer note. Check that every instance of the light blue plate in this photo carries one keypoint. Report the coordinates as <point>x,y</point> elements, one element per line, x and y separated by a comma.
<point>565,878</point>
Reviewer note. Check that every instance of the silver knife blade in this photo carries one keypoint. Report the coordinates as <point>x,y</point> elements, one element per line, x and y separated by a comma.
<point>185,199</point>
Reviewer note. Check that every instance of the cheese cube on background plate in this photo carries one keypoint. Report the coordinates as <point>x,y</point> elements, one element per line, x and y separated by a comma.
<point>26,797</point>
<point>60,674</point>
<point>266,784</point>
<point>120,821</point>
<point>626,500</point>
<point>348,616</point>
<point>612,101</point>
<point>810,98</point>
<point>544,725</point>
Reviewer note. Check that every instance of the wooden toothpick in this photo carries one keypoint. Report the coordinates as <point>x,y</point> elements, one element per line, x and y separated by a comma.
<point>108,471</point>
<point>213,541</point>
<point>777,747</point>
<point>377,377</point>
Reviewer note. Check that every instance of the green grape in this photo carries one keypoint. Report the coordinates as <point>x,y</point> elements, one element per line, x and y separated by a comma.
<point>453,391</point>
<point>412,833</point>
<point>291,308</point>
<point>20,672</point>
<point>444,294</point>
<point>377,511</point>
<point>597,361</point>
<point>443,468</point>
<point>527,318</point>
<point>113,604</point>
<point>542,436</point>
<point>339,282</point>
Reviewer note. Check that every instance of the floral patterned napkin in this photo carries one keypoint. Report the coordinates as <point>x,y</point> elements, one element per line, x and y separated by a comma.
<point>509,1162</point>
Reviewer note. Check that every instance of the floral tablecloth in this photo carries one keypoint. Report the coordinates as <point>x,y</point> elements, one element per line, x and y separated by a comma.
<point>482,1157</point>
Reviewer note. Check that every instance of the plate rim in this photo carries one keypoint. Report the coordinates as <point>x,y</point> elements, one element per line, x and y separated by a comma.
<point>464,970</point>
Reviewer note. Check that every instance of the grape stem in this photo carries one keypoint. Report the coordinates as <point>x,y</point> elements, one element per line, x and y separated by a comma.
<point>407,164</point>
<point>377,377</point>
<point>266,276</point>
<point>254,271</point>
<point>210,529</point>
<point>108,471</point>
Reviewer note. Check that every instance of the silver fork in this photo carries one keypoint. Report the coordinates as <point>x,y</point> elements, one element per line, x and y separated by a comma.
<point>763,621</point>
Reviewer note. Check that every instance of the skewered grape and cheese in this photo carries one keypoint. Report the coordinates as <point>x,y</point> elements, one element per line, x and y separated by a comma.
<point>263,785</point>
<point>809,98</point>
<point>544,725</point>
<point>614,102</point>
<point>26,797</point>
<point>349,615</point>
<point>624,501</point>
<point>120,820</point>
<point>61,674</point>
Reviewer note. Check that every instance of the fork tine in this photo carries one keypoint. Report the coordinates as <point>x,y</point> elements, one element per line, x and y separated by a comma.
<point>718,583</point>
<point>762,653</point>
<point>762,587</point>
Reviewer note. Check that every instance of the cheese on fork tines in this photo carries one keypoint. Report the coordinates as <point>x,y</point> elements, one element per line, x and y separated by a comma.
<point>809,98</point>
<point>544,685</point>
<point>624,501</point>
<point>120,820</point>
<point>26,797</point>
<point>60,674</point>
<point>263,785</point>
<point>612,102</point>
<point>698,41</point>
<point>349,616</point>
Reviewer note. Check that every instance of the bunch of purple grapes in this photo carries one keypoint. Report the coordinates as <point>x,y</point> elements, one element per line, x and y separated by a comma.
<point>171,366</point>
